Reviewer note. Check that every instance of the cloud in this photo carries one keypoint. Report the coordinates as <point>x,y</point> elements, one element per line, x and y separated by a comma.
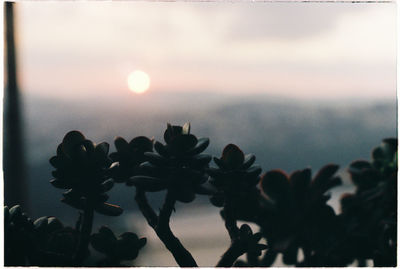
<point>287,21</point>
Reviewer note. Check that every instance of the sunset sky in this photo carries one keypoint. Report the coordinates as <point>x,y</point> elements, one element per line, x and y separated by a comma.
<point>300,50</point>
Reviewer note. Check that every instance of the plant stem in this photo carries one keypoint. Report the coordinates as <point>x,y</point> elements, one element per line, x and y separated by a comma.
<point>166,211</point>
<point>84,235</point>
<point>231,255</point>
<point>160,224</point>
<point>230,220</point>
<point>236,248</point>
<point>146,209</point>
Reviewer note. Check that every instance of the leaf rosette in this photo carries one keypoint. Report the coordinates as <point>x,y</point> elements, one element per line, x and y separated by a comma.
<point>82,167</point>
<point>177,166</point>
<point>296,214</point>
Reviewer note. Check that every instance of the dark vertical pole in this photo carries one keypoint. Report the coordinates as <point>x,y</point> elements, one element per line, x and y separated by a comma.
<point>13,158</point>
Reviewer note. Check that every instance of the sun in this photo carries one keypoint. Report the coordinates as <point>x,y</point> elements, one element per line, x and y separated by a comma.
<point>138,81</point>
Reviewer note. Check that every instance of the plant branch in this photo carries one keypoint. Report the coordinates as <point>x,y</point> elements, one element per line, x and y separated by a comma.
<point>230,220</point>
<point>236,248</point>
<point>166,211</point>
<point>160,224</point>
<point>84,234</point>
<point>252,259</point>
<point>232,254</point>
<point>145,208</point>
<point>180,253</point>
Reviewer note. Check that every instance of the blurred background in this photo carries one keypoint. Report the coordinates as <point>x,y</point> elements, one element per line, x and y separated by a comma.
<point>297,84</point>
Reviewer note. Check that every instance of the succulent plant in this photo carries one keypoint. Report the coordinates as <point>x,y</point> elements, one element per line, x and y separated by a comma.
<point>82,168</point>
<point>55,243</point>
<point>129,156</point>
<point>177,166</point>
<point>124,247</point>
<point>371,212</point>
<point>18,228</point>
<point>236,179</point>
<point>250,240</point>
<point>51,235</point>
<point>252,246</point>
<point>376,182</point>
<point>367,175</point>
<point>295,211</point>
<point>43,242</point>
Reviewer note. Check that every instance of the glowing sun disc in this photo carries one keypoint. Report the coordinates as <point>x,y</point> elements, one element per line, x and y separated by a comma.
<point>138,81</point>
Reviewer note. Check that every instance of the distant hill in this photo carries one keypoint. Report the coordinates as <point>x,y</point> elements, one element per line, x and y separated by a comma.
<point>282,133</point>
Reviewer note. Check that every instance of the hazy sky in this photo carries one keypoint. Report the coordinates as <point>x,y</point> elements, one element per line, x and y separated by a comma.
<point>297,49</point>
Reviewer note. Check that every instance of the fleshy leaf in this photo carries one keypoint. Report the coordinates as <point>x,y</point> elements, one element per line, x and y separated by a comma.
<point>89,146</point>
<point>71,140</point>
<point>186,196</point>
<point>60,184</point>
<point>233,156</point>
<point>249,159</point>
<point>300,181</point>
<point>104,241</point>
<point>183,143</point>
<point>107,185</point>
<point>75,203</point>
<point>323,175</point>
<point>40,224</point>
<point>221,163</point>
<point>54,224</point>
<point>172,132</point>
<point>156,159</point>
<point>275,184</point>
<point>202,144</point>
<point>358,166</point>
<point>201,159</point>
<point>186,128</point>
<point>121,144</point>
<point>253,171</point>
<point>54,161</point>
<point>15,211</point>
<point>101,150</point>
<point>161,149</point>
<point>109,209</point>
<point>141,143</point>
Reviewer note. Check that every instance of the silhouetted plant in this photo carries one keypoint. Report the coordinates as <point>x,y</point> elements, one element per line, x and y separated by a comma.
<point>370,214</point>
<point>235,180</point>
<point>292,212</point>
<point>295,214</point>
<point>44,242</point>
<point>82,168</point>
<point>17,242</point>
<point>178,167</point>
<point>128,157</point>
<point>125,247</point>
